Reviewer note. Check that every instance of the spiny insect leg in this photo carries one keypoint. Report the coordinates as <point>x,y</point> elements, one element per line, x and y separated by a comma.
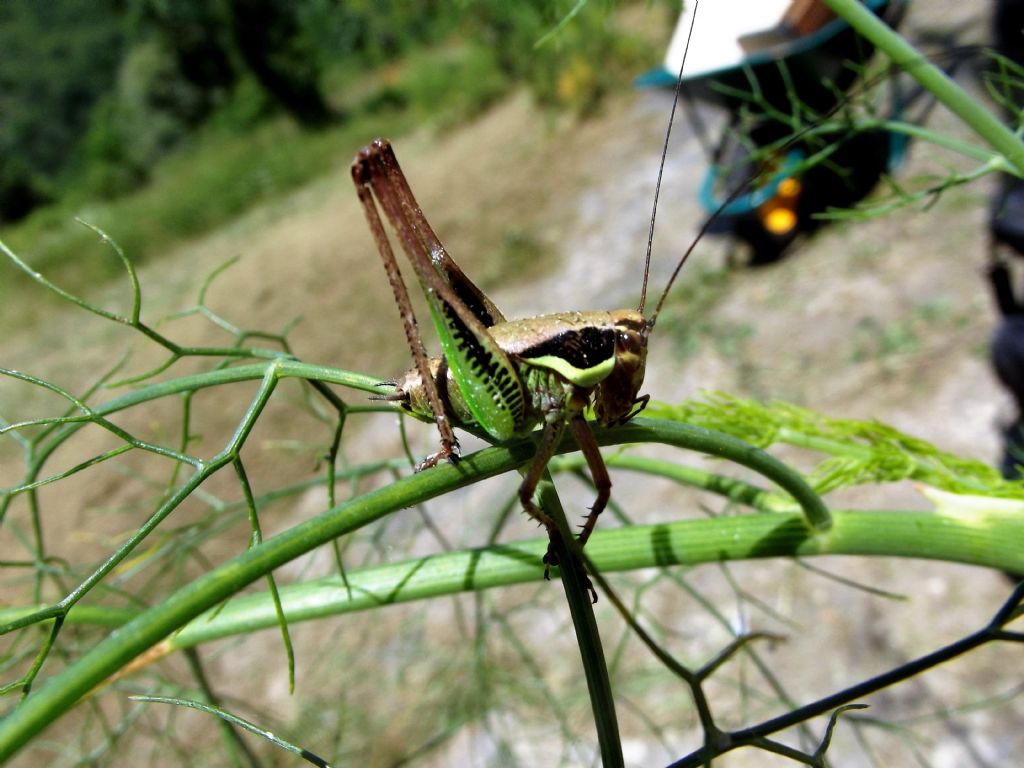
<point>362,173</point>
<point>413,219</point>
<point>638,405</point>
<point>549,440</point>
<point>461,313</point>
<point>554,428</point>
<point>598,472</point>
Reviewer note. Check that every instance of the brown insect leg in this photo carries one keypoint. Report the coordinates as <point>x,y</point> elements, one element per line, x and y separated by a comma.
<point>549,440</point>
<point>639,405</point>
<point>481,306</point>
<point>554,428</point>
<point>361,172</point>
<point>598,471</point>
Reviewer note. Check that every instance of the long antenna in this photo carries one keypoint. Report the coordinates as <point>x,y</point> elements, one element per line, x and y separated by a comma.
<point>661,173</point>
<point>739,189</point>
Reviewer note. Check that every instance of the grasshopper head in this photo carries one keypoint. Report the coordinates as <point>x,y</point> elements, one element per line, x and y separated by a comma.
<point>615,398</point>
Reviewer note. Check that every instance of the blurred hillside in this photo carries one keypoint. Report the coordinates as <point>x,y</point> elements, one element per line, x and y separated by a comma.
<point>172,118</point>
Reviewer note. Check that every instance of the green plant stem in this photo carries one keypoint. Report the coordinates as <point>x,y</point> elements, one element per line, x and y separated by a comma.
<point>694,438</point>
<point>577,594</point>
<point>64,689</point>
<point>981,120</point>
<point>731,488</point>
<point>990,539</point>
<point>980,537</point>
<point>983,538</point>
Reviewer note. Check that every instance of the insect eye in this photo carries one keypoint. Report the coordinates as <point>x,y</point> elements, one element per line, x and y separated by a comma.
<point>629,341</point>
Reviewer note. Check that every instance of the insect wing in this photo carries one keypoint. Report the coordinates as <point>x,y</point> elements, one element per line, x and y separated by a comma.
<point>486,377</point>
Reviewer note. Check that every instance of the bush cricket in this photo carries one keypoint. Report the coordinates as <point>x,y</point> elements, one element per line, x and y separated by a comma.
<point>505,377</point>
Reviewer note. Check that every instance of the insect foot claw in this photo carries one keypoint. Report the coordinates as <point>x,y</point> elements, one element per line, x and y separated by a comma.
<point>427,463</point>
<point>550,561</point>
<point>449,452</point>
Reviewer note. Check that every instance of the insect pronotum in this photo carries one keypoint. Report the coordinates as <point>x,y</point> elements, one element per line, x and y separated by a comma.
<point>505,377</point>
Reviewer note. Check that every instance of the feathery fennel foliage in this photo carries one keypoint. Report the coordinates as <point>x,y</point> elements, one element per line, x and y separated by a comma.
<point>859,452</point>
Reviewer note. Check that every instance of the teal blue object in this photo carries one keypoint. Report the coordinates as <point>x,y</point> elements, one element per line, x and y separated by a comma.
<point>660,77</point>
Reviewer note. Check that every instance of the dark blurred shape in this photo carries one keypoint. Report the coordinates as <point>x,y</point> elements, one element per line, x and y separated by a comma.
<point>58,57</point>
<point>1006,231</point>
<point>198,37</point>
<point>1008,362</point>
<point>1008,29</point>
<point>1006,220</point>
<point>269,38</point>
<point>1006,235</point>
<point>764,186</point>
<point>856,162</point>
<point>19,194</point>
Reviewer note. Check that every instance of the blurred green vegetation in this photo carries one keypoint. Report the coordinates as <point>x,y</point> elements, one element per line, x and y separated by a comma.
<point>58,59</point>
<point>159,121</point>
